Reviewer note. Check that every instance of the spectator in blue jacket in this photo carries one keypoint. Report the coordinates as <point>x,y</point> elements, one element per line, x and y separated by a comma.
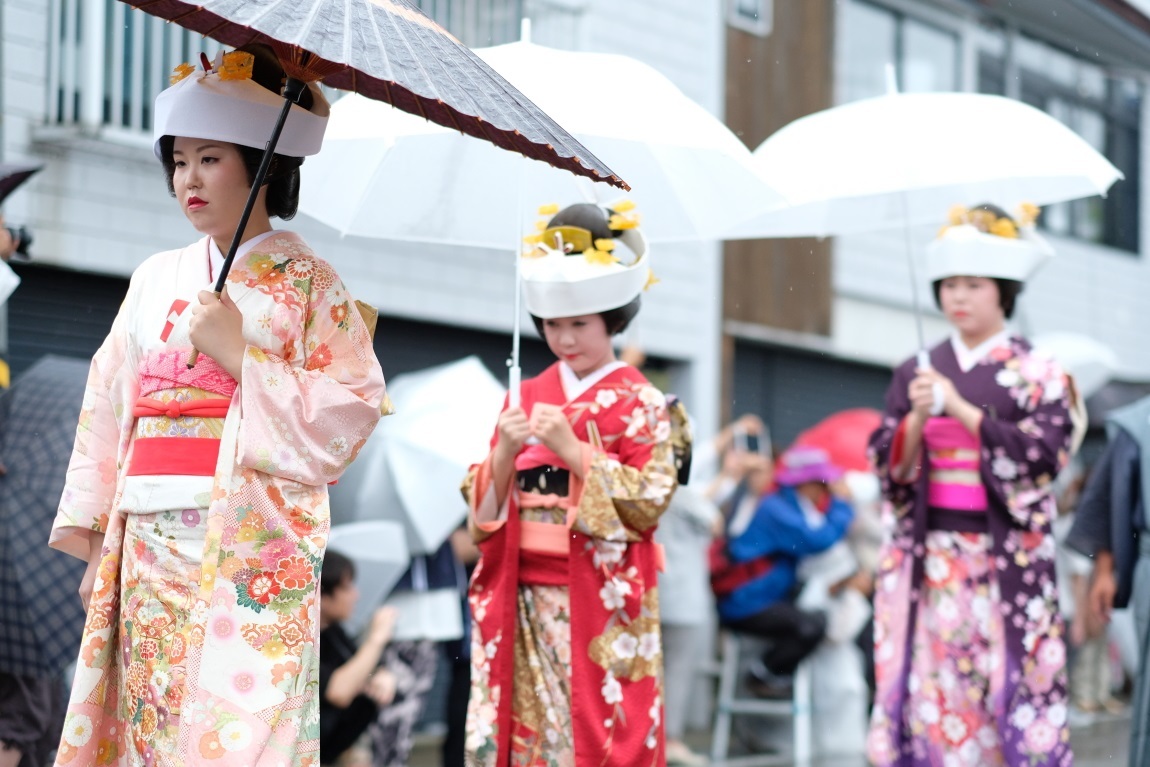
<point>805,516</point>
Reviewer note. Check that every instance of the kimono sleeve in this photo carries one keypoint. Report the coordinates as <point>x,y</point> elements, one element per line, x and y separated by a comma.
<point>478,490</point>
<point>884,441</point>
<point>306,420</point>
<point>641,481</point>
<point>103,435</point>
<point>1021,457</point>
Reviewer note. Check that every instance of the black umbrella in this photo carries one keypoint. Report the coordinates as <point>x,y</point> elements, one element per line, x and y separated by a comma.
<point>390,51</point>
<point>13,174</point>
<point>41,617</point>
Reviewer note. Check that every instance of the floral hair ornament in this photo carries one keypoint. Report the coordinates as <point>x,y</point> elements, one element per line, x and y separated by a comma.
<point>980,243</point>
<point>224,103</point>
<point>572,264</point>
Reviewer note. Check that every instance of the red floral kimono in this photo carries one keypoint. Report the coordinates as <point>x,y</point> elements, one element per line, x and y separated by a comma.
<point>566,653</point>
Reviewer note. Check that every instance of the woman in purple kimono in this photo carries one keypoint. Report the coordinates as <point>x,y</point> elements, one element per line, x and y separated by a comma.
<point>969,645</point>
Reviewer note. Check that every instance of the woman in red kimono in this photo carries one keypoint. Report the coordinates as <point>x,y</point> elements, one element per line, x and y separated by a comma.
<point>566,653</point>
<point>969,651</point>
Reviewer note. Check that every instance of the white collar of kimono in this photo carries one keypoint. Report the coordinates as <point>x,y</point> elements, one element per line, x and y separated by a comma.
<point>217,257</point>
<point>968,358</point>
<point>574,386</point>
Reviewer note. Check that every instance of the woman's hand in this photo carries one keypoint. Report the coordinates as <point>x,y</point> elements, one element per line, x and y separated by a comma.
<point>216,329</point>
<point>920,391</point>
<point>953,403</point>
<point>549,423</point>
<point>514,430</point>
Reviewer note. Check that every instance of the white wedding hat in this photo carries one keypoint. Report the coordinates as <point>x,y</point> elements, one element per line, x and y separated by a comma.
<point>570,273</point>
<point>981,244</point>
<point>225,104</point>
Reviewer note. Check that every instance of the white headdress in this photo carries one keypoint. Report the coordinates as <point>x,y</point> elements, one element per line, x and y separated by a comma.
<point>979,243</point>
<point>225,104</point>
<point>568,272</point>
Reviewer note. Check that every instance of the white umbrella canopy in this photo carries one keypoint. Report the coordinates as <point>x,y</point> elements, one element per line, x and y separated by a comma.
<point>379,550</point>
<point>410,470</point>
<point>1091,362</point>
<point>906,158</point>
<point>386,174</point>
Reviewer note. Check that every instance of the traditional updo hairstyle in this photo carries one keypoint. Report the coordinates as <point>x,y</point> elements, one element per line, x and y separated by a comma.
<point>282,179</point>
<point>1008,290</point>
<point>594,219</point>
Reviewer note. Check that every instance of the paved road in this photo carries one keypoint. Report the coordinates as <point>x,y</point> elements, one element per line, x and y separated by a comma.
<point>1099,741</point>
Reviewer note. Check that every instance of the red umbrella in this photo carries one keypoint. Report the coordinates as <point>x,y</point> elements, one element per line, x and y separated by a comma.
<point>844,436</point>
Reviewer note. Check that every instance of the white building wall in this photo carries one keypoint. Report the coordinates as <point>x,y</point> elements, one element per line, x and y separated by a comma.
<point>101,206</point>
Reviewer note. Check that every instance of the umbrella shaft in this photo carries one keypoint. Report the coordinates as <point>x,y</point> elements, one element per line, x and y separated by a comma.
<point>293,90</point>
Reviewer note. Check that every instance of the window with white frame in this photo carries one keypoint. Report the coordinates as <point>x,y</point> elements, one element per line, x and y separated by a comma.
<point>108,62</point>
<point>871,37</point>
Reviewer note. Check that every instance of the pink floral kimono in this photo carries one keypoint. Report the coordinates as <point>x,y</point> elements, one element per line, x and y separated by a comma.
<point>201,639</point>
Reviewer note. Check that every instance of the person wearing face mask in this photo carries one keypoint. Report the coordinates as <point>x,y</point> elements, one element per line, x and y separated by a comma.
<point>969,643</point>
<point>566,655</point>
<point>205,534</point>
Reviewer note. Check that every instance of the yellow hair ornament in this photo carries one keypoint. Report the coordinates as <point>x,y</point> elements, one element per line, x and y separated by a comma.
<point>623,206</point>
<point>651,279</point>
<point>607,245</point>
<point>1004,227</point>
<point>599,257</point>
<point>540,226</point>
<point>623,222</point>
<point>180,72</point>
<point>1028,213</point>
<point>237,65</point>
<point>549,210</point>
<point>958,215</point>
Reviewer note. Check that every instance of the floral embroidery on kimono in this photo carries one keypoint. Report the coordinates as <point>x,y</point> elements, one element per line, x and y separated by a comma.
<point>575,631</point>
<point>970,646</point>
<point>201,636</point>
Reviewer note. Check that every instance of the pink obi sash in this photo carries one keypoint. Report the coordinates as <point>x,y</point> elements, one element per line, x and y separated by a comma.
<point>544,549</point>
<point>184,456</point>
<point>955,481</point>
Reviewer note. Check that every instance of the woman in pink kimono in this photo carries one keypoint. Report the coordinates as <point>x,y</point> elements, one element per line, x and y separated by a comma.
<point>969,644</point>
<point>198,495</point>
<point>566,656</point>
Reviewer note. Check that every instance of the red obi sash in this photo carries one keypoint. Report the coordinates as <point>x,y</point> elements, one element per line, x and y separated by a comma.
<point>185,456</point>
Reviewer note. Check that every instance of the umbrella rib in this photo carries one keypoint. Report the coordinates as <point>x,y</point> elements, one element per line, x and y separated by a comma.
<point>419,62</point>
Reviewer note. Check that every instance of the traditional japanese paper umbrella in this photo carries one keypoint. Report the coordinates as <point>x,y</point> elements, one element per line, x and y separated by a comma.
<point>379,550</point>
<point>386,50</point>
<point>13,174</point>
<point>41,617</point>
<point>410,469</point>
<point>904,159</point>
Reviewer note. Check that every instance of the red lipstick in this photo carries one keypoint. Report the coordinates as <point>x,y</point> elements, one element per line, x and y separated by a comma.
<point>195,203</point>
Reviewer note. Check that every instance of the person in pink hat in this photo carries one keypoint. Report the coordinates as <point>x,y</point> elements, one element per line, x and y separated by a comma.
<point>805,516</point>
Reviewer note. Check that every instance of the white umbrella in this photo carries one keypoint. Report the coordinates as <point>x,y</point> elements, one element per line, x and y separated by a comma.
<point>410,470</point>
<point>386,174</point>
<point>1091,362</point>
<point>379,551</point>
<point>906,158</point>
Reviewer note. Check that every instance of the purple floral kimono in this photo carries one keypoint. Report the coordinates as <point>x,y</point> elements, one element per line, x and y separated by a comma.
<point>969,645</point>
